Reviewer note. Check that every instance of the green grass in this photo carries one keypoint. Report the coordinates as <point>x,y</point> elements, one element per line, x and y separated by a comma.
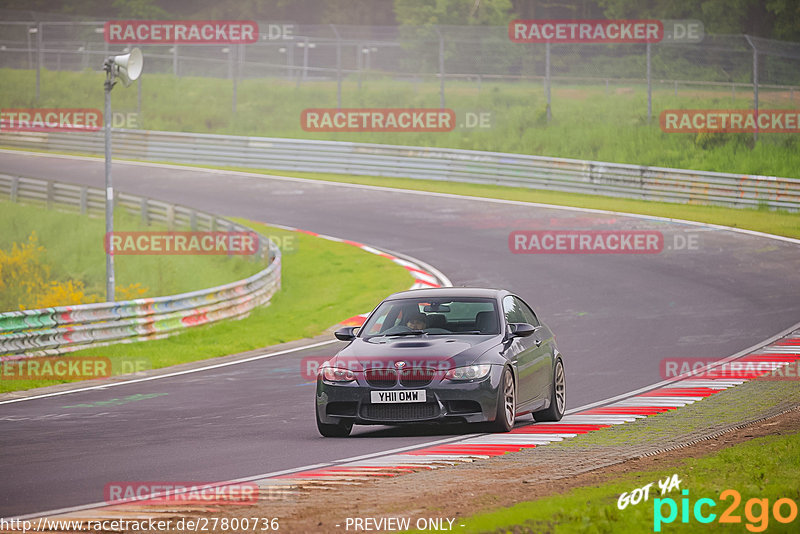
<point>588,122</point>
<point>324,282</point>
<point>74,250</point>
<point>773,473</point>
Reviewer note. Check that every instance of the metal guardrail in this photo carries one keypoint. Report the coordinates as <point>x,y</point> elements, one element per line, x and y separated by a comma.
<point>63,329</point>
<point>471,166</point>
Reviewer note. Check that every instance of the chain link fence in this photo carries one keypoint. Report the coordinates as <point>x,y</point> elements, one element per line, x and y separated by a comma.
<point>444,54</point>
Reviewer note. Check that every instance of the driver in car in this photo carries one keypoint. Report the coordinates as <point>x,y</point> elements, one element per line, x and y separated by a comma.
<point>418,321</point>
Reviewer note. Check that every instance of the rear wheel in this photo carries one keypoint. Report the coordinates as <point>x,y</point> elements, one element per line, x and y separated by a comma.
<point>558,396</point>
<point>506,404</point>
<point>338,430</point>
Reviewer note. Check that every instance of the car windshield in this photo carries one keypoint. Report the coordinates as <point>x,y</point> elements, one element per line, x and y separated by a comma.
<point>433,316</point>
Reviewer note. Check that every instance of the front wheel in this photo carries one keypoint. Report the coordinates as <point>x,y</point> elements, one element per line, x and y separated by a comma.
<point>506,404</point>
<point>558,396</point>
<point>338,430</point>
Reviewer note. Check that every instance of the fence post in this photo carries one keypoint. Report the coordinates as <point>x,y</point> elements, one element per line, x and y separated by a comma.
<point>441,67</point>
<point>755,85</point>
<point>359,62</point>
<point>175,59</point>
<point>234,51</point>
<point>338,67</point>
<point>547,79</point>
<point>39,59</point>
<point>306,44</point>
<point>649,87</point>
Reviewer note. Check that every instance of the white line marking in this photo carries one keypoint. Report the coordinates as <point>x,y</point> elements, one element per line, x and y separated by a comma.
<point>176,373</point>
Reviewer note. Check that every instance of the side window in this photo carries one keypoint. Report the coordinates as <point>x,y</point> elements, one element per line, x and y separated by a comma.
<point>512,310</point>
<point>527,312</point>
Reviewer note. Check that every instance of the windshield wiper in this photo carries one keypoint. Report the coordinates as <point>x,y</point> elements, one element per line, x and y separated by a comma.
<point>458,333</point>
<point>409,333</point>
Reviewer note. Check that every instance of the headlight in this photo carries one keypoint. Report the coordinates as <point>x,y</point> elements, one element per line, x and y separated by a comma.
<point>337,374</point>
<point>471,372</point>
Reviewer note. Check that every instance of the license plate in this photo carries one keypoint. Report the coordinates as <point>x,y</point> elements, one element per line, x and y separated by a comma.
<point>387,397</point>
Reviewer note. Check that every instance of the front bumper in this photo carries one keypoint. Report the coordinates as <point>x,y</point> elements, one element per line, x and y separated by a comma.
<point>446,401</point>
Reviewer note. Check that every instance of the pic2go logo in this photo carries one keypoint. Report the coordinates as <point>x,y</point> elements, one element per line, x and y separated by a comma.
<point>756,511</point>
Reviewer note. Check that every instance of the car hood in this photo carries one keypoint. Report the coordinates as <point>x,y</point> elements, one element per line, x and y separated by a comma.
<point>438,352</point>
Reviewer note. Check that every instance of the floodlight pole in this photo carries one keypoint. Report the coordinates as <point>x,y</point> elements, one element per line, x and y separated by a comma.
<point>109,84</point>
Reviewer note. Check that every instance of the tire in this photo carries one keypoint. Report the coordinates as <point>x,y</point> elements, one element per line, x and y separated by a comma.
<point>506,404</point>
<point>339,430</point>
<point>558,396</point>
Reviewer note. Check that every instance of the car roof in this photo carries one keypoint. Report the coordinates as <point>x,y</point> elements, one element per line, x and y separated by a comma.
<point>454,292</point>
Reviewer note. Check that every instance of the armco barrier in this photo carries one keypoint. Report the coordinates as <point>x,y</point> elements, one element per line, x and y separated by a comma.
<point>558,174</point>
<point>65,328</point>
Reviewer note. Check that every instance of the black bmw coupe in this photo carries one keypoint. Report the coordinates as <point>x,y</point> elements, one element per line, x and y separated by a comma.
<point>443,355</point>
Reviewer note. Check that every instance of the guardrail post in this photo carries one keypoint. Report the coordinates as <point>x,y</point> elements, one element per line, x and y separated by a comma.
<point>84,200</point>
<point>193,220</point>
<point>49,198</point>
<point>170,217</point>
<point>145,212</point>
<point>14,188</point>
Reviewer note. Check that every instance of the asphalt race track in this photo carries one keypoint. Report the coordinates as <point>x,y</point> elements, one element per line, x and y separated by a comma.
<point>616,316</point>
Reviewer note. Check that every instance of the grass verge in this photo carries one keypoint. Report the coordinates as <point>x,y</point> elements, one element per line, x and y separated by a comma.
<point>775,462</point>
<point>74,250</point>
<point>766,468</point>
<point>588,121</point>
<point>323,283</point>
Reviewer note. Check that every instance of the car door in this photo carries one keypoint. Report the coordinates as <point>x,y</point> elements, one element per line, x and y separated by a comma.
<point>522,352</point>
<point>543,352</point>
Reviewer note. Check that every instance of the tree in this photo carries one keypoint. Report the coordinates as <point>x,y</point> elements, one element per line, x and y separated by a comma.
<point>453,12</point>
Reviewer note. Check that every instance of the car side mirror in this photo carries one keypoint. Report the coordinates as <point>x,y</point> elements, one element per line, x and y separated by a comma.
<point>348,333</point>
<point>520,330</point>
